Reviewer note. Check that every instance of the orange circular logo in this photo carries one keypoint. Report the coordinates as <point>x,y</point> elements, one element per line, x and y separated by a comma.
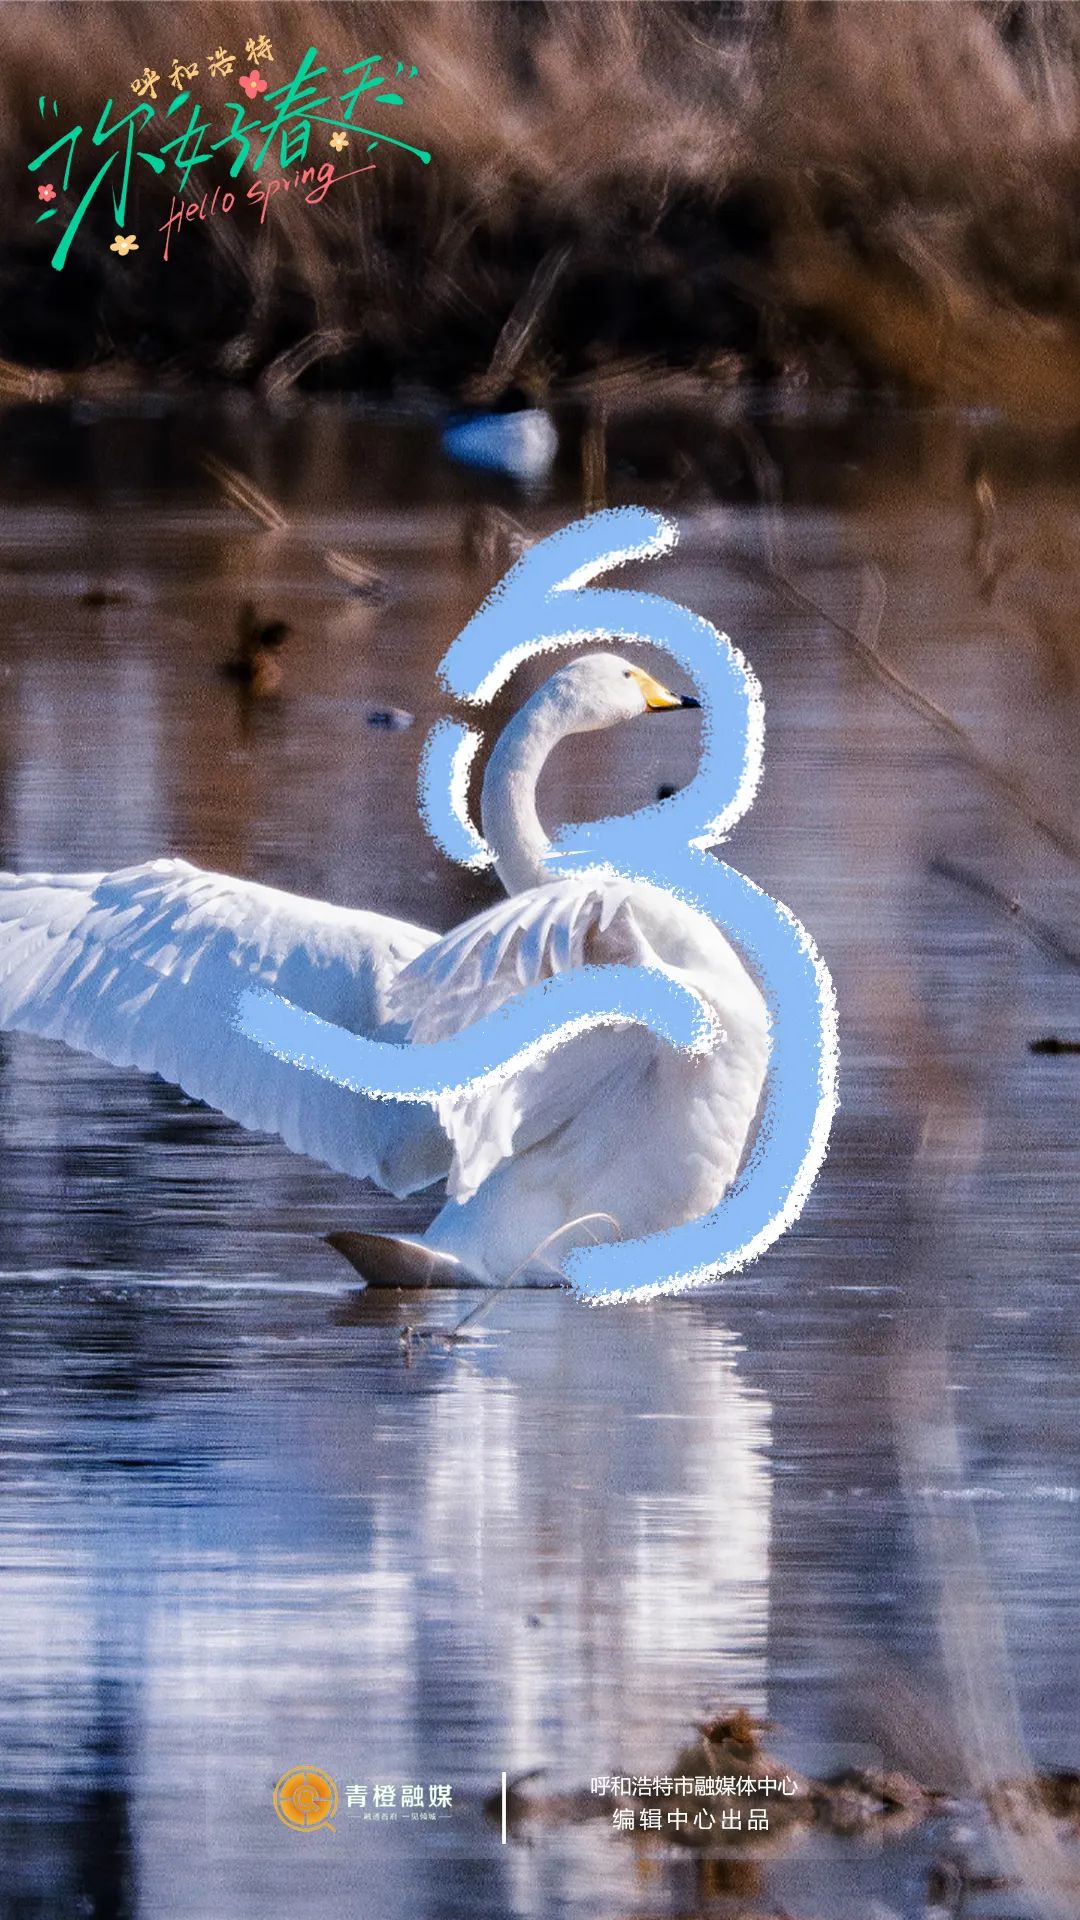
<point>305,1798</point>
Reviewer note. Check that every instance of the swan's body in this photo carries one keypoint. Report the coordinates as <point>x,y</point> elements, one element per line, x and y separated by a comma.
<point>141,968</point>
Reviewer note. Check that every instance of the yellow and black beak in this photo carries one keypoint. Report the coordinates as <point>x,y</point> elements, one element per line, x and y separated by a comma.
<point>657,698</point>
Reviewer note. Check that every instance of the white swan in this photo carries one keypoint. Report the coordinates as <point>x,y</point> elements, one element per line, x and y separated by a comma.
<point>141,968</point>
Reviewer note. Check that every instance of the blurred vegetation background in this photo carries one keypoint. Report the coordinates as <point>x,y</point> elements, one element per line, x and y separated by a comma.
<point>786,191</point>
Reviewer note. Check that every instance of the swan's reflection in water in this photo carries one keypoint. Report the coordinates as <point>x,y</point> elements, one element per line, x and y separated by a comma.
<point>633,1537</point>
<point>265,1543</point>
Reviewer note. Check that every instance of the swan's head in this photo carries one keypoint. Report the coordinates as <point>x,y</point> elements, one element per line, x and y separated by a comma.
<point>602,689</point>
<point>595,690</point>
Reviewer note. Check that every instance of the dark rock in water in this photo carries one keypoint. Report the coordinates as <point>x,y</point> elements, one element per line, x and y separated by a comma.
<point>390,719</point>
<point>1053,1044</point>
<point>104,597</point>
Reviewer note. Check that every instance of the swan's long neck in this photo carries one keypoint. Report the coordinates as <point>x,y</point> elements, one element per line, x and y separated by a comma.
<point>508,802</point>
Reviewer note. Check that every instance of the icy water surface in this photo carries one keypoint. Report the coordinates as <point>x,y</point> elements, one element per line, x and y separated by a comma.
<point>243,1526</point>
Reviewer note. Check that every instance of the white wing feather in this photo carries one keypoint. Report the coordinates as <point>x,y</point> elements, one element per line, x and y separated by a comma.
<point>142,967</point>
<point>530,937</point>
<point>481,965</point>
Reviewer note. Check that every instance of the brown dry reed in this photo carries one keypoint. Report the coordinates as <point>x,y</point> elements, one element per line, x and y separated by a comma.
<point>786,190</point>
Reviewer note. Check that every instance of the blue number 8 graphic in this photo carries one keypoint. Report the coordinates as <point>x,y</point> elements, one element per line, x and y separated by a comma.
<point>545,602</point>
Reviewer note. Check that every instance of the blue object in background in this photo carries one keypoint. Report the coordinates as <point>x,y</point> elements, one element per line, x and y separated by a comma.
<point>521,444</point>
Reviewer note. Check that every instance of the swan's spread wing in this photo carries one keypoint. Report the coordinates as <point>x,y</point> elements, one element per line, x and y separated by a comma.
<point>530,937</point>
<point>142,968</point>
<point>481,965</point>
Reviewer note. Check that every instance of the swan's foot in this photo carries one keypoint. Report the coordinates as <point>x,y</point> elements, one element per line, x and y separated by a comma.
<point>386,1260</point>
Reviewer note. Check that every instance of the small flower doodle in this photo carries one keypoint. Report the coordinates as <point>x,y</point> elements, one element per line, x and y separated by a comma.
<point>339,141</point>
<point>46,193</point>
<point>253,83</point>
<point>124,243</point>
